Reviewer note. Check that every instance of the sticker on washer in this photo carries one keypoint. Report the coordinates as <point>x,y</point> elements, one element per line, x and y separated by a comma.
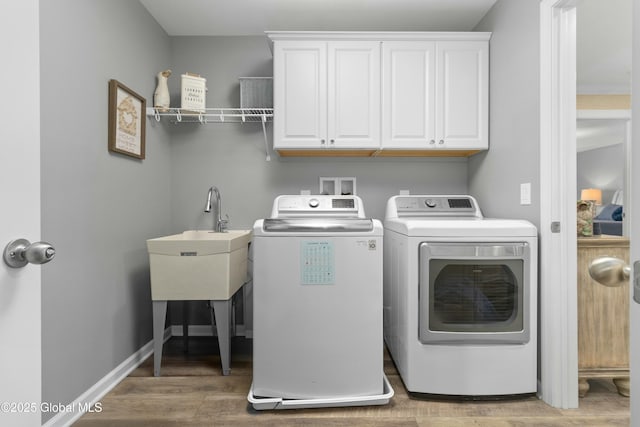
<point>372,244</point>
<point>317,263</point>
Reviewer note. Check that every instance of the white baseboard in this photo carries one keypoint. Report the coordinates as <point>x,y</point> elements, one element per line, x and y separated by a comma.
<point>93,395</point>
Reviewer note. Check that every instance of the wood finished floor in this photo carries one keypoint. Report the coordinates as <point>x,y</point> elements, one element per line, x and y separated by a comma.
<point>192,392</point>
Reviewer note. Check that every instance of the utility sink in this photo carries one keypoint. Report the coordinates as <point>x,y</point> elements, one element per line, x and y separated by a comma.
<point>198,265</point>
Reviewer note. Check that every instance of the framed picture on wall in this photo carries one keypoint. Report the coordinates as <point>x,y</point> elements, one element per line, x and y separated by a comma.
<point>126,120</point>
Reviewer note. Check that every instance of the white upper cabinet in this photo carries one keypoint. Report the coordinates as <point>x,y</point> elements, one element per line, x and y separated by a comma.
<point>354,94</point>
<point>408,94</point>
<point>326,94</point>
<point>435,95</point>
<point>462,95</point>
<point>300,94</point>
<point>380,93</point>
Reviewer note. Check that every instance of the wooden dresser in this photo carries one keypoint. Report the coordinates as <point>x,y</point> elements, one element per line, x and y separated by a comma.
<point>603,317</point>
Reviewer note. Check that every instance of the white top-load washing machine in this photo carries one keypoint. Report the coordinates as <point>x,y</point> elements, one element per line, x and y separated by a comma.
<point>460,297</point>
<point>317,288</point>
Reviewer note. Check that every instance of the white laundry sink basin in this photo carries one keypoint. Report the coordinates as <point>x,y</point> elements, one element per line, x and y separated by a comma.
<point>198,265</point>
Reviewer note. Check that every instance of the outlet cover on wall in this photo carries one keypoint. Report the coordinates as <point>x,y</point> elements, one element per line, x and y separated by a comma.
<point>338,185</point>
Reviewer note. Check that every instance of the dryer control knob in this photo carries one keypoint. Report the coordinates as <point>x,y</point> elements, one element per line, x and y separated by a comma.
<point>314,203</point>
<point>430,203</point>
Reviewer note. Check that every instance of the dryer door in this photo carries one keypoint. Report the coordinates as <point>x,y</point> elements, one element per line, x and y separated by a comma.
<point>473,293</point>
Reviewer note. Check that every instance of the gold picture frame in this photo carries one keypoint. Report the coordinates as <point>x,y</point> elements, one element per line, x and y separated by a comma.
<point>126,120</point>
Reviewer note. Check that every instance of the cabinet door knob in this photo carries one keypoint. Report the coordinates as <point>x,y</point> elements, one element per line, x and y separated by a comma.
<point>441,142</point>
<point>322,141</point>
<point>433,141</point>
<point>332,141</point>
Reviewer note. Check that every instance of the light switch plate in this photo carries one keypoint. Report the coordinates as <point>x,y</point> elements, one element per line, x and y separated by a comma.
<point>525,193</point>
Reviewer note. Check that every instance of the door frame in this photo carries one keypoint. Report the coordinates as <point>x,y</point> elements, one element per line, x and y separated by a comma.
<point>558,251</point>
<point>633,199</point>
<point>20,288</point>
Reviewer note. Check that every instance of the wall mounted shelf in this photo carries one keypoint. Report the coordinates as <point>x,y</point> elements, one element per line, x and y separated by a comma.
<point>213,115</point>
<point>217,115</point>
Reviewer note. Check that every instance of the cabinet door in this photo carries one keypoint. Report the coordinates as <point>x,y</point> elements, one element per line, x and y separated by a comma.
<point>300,94</point>
<point>462,99</point>
<point>354,94</point>
<point>408,95</point>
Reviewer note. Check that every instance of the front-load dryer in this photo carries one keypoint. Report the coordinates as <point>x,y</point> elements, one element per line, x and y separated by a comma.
<point>460,297</point>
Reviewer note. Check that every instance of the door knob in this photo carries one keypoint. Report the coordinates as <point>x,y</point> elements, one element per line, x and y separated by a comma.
<point>609,271</point>
<point>21,252</point>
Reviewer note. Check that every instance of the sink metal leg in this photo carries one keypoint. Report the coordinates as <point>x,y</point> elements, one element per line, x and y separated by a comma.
<point>221,313</point>
<point>159,318</point>
<point>185,325</point>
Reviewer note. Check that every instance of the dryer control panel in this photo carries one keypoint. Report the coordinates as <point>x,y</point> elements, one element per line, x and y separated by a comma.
<point>431,206</point>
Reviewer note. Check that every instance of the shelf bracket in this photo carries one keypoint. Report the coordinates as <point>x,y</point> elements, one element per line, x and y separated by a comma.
<point>264,134</point>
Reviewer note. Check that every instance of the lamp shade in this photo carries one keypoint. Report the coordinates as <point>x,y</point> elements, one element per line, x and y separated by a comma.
<point>592,194</point>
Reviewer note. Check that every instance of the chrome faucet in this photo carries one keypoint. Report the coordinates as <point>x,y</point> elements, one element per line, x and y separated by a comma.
<point>219,225</point>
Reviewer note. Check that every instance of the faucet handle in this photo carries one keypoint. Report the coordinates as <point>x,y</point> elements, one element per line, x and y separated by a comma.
<point>224,223</point>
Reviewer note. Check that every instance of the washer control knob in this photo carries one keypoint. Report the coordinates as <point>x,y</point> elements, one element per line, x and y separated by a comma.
<point>314,203</point>
<point>430,203</point>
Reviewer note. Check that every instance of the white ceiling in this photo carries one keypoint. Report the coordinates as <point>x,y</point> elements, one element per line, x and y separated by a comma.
<point>603,29</point>
<point>254,17</point>
<point>603,63</point>
<point>603,57</point>
<point>600,133</point>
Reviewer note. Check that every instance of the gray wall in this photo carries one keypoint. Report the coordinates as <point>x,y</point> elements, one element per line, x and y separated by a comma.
<point>232,155</point>
<point>97,208</point>
<point>602,168</point>
<point>514,120</point>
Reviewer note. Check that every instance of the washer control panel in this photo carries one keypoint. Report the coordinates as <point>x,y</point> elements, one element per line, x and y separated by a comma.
<point>317,205</point>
